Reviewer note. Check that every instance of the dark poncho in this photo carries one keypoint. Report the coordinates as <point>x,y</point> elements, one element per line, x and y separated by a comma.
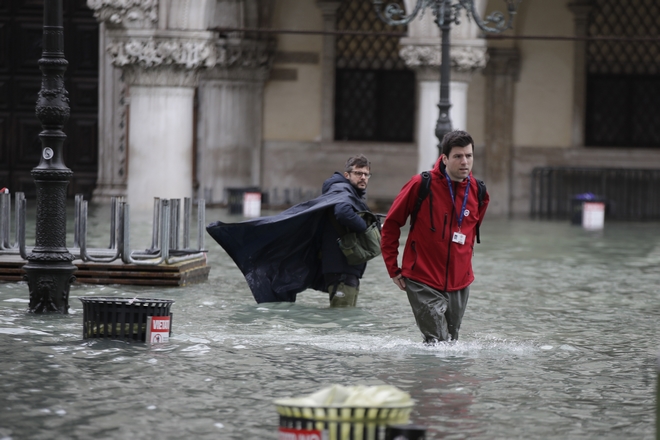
<point>280,254</point>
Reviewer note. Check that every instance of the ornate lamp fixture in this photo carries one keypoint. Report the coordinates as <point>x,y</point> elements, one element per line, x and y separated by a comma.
<point>446,13</point>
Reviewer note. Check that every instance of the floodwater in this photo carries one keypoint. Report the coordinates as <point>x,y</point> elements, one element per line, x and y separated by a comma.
<point>560,341</point>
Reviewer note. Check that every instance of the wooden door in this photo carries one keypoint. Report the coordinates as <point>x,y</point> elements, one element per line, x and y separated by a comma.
<point>21,30</point>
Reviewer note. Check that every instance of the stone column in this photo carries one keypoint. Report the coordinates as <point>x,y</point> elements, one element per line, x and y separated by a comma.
<point>162,70</point>
<point>581,10</point>
<point>159,47</point>
<point>230,101</point>
<point>426,61</point>
<point>501,73</point>
<point>421,51</point>
<point>113,110</point>
<point>111,179</point>
<point>329,10</point>
<point>230,118</point>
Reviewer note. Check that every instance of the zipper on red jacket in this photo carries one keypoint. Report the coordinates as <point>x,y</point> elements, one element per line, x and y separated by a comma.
<point>444,227</point>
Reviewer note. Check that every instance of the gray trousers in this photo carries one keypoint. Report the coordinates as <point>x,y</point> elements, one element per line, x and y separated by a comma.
<point>438,314</point>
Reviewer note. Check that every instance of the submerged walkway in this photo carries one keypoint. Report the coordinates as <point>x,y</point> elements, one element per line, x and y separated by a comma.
<point>183,273</point>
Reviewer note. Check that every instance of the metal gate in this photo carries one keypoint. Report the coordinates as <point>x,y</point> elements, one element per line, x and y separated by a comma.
<point>629,194</point>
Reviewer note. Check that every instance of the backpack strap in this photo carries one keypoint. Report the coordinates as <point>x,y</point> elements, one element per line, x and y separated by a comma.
<point>481,191</point>
<point>424,191</point>
<point>481,194</point>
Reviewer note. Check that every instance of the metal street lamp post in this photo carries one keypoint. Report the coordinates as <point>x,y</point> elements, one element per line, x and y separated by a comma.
<point>49,270</point>
<point>446,13</point>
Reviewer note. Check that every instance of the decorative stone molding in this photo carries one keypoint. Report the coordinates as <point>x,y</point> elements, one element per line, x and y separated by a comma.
<point>152,52</point>
<point>241,60</point>
<point>126,13</point>
<point>463,58</point>
<point>245,53</point>
<point>122,116</point>
<point>468,58</point>
<point>505,62</point>
<point>163,75</point>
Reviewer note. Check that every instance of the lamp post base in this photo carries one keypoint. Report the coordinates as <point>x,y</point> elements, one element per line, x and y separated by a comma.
<point>49,286</point>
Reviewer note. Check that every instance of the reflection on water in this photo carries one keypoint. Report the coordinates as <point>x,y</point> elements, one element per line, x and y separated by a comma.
<point>559,341</point>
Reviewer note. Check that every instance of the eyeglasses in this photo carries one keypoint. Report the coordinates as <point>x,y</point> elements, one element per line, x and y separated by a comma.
<point>360,174</point>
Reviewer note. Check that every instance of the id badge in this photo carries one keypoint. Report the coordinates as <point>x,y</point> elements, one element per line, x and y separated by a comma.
<point>458,238</point>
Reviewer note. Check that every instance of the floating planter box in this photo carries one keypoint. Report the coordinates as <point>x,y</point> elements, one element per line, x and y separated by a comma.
<point>122,318</point>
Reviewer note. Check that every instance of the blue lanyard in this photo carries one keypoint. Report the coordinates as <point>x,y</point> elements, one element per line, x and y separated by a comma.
<point>459,216</point>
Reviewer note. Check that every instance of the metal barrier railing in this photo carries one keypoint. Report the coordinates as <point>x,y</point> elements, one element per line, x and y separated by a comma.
<point>165,233</point>
<point>5,220</point>
<point>629,194</point>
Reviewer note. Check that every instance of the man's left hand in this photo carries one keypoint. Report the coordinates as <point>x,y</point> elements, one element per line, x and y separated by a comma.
<point>399,281</point>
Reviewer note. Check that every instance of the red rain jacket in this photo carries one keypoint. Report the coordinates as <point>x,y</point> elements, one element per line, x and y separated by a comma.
<point>430,257</point>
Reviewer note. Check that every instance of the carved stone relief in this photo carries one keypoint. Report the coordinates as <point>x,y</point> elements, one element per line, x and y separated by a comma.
<point>130,14</point>
<point>151,52</point>
<point>463,58</point>
<point>245,53</point>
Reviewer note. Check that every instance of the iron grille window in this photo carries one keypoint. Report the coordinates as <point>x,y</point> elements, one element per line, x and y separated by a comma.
<point>623,79</point>
<point>374,91</point>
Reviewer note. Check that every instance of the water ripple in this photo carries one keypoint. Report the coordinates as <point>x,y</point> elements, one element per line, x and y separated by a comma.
<point>559,341</point>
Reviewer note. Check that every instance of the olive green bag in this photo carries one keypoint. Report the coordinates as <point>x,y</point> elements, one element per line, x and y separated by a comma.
<point>360,247</point>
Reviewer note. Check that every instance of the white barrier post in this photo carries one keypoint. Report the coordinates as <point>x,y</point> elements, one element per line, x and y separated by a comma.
<point>251,204</point>
<point>593,215</point>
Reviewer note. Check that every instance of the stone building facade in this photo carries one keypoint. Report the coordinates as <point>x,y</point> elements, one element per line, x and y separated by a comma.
<point>199,96</point>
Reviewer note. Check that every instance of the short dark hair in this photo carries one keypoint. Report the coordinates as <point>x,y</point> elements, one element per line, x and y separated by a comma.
<point>456,138</point>
<point>357,161</point>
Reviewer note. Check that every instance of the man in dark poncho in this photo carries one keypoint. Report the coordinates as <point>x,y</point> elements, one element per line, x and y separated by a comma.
<point>287,253</point>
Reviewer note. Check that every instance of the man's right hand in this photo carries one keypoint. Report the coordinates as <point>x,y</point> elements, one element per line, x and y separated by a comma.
<point>399,281</point>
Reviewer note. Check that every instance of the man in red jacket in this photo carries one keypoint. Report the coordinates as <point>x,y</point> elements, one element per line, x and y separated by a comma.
<point>436,271</point>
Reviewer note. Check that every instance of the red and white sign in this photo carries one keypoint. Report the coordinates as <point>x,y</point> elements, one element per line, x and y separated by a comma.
<point>301,434</point>
<point>158,329</point>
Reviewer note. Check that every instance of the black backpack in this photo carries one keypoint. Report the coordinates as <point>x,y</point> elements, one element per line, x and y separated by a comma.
<point>425,190</point>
